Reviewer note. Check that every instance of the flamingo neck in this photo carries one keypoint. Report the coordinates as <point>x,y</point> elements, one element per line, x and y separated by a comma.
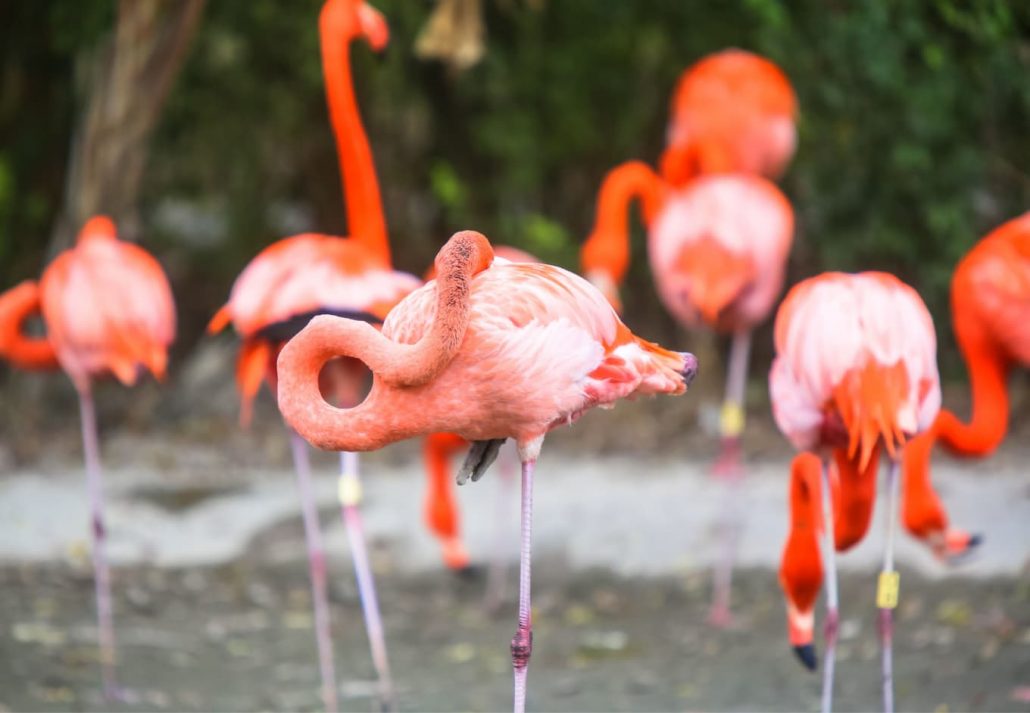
<point>988,372</point>
<point>365,220</point>
<point>18,305</point>
<point>607,248</point>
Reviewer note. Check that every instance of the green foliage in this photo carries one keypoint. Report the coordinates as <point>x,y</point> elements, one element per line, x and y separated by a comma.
<point>913,138</point>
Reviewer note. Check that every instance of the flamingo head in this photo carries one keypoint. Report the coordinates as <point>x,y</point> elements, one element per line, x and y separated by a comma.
<point>98,227</point>
<point>348,20</point>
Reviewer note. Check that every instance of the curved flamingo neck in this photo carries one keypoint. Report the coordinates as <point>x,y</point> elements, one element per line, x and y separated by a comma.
<point>392,411</point>
<point>607,248</point>
<point>365,220</point>
<point>988,372</point>
<point>17,305</point>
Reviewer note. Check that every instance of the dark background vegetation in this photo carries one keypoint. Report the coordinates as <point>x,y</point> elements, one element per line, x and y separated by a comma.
<point>913,131</point>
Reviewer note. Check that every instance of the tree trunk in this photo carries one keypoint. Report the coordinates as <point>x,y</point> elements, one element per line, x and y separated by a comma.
<point>126,82</point>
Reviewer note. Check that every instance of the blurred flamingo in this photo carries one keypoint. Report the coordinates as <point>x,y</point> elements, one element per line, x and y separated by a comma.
<point>855,371</point>
<point>107,308</point>
<point>718,248</point>
<point>990,312</point>
<point>718,245</point>
<point>309,274</point>
<point>489,350</point>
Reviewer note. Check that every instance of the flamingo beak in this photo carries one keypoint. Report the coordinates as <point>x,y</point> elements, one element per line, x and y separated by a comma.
<point>690,368</point>
<point>806,655</point>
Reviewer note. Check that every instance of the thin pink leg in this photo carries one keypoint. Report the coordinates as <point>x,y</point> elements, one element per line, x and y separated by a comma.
<point>101,569</point>
<point>316,565</point>
<point>730,470</point>
<point>832,597</point>
<point>522,643</point>
<point>886,612</point>
<point>496,581</point>
<point>350,500</point>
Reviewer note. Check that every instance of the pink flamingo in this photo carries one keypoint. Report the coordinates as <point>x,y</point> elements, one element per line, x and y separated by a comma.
<point>855,371</point>
<point>107,308</point>
<point>490,351</point>
<point>303,275</point>
<point>718,248</point>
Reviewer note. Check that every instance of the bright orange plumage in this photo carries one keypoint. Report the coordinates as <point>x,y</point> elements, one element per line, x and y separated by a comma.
<point>17,305</point>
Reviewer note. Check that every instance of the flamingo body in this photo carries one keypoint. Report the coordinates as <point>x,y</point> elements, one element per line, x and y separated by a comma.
<point>719,249</point>
<point>108,308</point>
<point>838,328</point>
<point>733,111</point>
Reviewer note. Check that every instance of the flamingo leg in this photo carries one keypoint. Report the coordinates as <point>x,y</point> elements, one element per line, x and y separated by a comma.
<point>101,568</point>
<point>729,468</point>
<point>887,591</point>
<point>316,565</point>
<point>522,643</point>
<point>832,605</point>
<point>496,581</point>
<point>349,493</point>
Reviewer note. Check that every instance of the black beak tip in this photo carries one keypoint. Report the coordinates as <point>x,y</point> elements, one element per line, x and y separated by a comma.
<point>690,368</point>
<point>806,655</point>
<point>974,541</point>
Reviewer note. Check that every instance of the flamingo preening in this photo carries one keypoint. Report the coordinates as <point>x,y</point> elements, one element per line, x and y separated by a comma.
<point>855,372</point>
<point>108,309</point>
<point>719,234</point>
<point>488,350</point>
<point>990,312</point>
<point>308,274</point>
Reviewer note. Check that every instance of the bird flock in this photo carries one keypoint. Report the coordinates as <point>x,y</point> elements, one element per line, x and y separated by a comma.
<point>494,345</point>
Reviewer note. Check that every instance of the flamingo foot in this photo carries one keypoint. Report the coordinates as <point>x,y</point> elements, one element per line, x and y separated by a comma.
<point>719,616</point>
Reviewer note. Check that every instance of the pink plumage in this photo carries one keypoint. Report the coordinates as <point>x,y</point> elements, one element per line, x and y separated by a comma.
<point>836,325</point>
<point>542,346</point>
<point>719,249</point>
<point>108,307</point>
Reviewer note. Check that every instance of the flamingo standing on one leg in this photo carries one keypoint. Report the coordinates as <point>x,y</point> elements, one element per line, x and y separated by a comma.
<point>732,115</point>
<point>718,250</point>
<point>855,370</point>
<point>307,274</point>
<point>990,312</point>
<point>107,308</point>
<point>489,350</point>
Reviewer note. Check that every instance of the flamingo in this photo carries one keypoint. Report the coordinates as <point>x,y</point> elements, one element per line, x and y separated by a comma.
<point>855,372</point>
<point>303,275</point>
<point>719,235</point>
<point>108,309</point>
<point>990,311</point>
<point>718,248</point>
<point>488,350</point>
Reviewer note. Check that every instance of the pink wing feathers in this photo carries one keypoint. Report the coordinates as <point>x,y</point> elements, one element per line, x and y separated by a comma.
<point>719,249</point>
<point>545,342</point>
<point>832,328</point>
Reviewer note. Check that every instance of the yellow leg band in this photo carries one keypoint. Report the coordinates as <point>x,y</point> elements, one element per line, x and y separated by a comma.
<point>349,491</point>
<point>731,420</point>
<point>887,590</point>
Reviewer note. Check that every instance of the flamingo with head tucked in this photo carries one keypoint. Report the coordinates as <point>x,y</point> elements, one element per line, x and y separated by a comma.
<point>488,350</point>
<point>718,233</point>
<point>855,372</point>
<point>990,312</point>
<point>309,274</point>
<point>108,309</point>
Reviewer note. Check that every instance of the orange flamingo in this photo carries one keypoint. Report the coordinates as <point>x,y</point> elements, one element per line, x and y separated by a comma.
<point>490,351</point>
<point>308,274</point>
<point>855,371</point>
<point>990,311</point>
<point>718,243</point>
<point>107,308</point>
